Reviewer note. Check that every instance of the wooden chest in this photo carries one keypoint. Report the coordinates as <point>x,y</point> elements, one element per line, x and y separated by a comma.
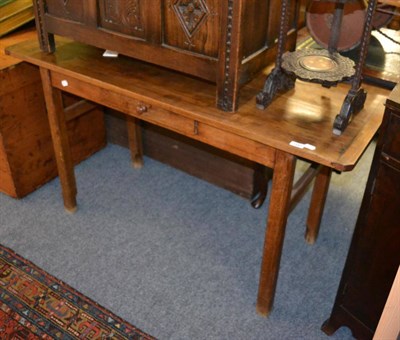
<point>374,256</point>
<point>26,151</point>
<point>222,41</point>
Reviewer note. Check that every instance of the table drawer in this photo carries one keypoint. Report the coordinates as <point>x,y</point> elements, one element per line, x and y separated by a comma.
<point>147,109</point>
<point>133,106</point>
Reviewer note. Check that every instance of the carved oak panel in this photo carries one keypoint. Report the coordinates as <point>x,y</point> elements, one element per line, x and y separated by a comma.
<point>67,9</point>
<point>192,25</point>
<point>123,16</point>
<point>255,23</point>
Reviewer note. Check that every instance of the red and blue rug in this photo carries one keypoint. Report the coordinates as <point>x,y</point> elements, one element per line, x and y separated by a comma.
<point>36,305</point>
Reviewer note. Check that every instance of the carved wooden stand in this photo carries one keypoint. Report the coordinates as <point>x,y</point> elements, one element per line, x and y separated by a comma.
<point>278,80</point>
<point>289,67</point>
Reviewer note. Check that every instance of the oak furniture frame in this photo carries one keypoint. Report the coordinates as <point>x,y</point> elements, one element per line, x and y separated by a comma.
<point>223,41</point>
<point>186,106</point>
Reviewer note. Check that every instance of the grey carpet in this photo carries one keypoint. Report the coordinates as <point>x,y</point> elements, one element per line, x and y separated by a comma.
<point>179,257</point>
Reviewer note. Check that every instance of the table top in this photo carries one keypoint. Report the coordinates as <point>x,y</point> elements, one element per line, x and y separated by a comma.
<point>304,114</point>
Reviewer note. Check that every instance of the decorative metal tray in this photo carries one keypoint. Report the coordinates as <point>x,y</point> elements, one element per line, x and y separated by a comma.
<point>318,65</point>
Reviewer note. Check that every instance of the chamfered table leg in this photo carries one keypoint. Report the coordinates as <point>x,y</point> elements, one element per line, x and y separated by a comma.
<point>135,141</point>
<point>282,182</point>
<point>58,129</point>
<point>318,198</point>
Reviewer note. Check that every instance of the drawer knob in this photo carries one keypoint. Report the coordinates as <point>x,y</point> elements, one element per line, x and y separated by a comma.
<point>141,108</point>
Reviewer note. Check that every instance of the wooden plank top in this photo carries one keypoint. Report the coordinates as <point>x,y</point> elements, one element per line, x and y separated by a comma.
<point>304,114</point>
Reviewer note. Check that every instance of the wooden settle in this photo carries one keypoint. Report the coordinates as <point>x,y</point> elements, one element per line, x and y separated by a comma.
<point>226,42</point>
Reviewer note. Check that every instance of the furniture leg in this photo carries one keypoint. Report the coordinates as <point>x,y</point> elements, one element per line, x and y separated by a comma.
<point>261,178</point>
<point>318,198</point>
<point>58,129</point>
<point>135,141</point>
<point>282,182</point>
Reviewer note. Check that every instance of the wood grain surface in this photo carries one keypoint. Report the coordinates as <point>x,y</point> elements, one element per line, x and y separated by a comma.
<point>304,114</point>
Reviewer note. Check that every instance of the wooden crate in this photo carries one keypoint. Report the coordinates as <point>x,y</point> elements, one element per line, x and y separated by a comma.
<point>26,152</point>
<point>240,176</point>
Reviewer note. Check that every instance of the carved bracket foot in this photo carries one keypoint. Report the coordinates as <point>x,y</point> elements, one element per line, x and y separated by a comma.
<point>353,103</point>
<point>277,81</point>
<point>329,327</point>
<point>258,199</point>
<point>264,175</point>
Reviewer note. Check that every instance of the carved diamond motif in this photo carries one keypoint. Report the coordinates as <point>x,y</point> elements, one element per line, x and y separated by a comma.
<point>191,14</point>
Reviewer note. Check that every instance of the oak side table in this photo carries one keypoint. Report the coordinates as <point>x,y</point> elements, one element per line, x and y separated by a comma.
<point>297,124</point>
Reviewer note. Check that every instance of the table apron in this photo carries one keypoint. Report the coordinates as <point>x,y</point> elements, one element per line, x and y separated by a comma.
<point>192,128</point>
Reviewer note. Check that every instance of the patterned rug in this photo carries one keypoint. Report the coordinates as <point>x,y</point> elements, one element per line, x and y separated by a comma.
<point>36,305</point>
